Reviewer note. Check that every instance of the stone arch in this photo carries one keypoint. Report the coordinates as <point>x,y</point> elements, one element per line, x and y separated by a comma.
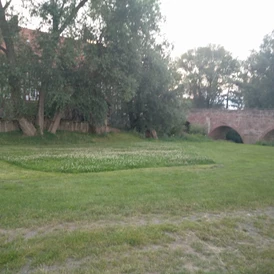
<point>220,132</point>
<point>268,135</point>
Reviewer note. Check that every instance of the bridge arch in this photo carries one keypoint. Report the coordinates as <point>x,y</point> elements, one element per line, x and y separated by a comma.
<point>221,132</point>
<point>268,135</point>
<point>250,124</point>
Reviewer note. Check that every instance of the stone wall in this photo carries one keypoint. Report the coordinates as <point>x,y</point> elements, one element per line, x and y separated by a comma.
<point>74,126</point>
<point>85,127</point>
<point>6,126</point>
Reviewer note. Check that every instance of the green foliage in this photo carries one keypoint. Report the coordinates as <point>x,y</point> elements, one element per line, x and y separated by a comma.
<point>194,133</point>
<point>186,137</point>
<point>131,68</point>
<point>17,70</point>
<point>107,65</point>
<point>258,83</point>
<point>156,104</point>
<point>197,129</point>
<point>209,76</point>
<point>266,143</point>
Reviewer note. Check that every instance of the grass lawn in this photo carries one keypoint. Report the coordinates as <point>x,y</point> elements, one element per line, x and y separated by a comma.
<point>76,203</point>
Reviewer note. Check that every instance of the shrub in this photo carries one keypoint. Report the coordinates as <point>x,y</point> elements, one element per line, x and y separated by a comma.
<point>197,129</point>
<point>265,143</point>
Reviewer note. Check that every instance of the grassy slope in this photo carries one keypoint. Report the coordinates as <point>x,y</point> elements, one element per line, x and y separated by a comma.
<point>187,219</point>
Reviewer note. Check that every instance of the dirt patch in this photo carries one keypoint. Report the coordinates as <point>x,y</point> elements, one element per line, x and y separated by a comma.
<point>246,226</point>
<point>187,250</point>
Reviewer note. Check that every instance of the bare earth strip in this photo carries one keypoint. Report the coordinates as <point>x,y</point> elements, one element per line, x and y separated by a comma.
<point>137,221</point>
<point>187,250</point>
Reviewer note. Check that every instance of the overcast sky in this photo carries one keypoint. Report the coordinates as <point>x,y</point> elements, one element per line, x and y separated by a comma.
<point>238,25</point>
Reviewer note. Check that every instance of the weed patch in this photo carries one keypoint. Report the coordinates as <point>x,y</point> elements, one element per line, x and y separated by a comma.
<point>99,158</point>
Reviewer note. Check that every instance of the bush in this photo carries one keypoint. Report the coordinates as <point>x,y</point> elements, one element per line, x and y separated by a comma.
<point>186,137</point>
<point>266,143</point>
<point>197,129</point>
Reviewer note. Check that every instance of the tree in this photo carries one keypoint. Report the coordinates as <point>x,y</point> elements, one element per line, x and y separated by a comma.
<point>13,66</point>
<point>57,16</point>
<point>128,28</point>
<point>104,60</point>
<point>258,81</point>
<point>136,66</point>
<point>112,39</point>
<point>209,75</point>
<point>156,104</point>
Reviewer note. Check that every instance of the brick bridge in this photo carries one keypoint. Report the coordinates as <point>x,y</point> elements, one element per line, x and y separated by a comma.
<point>252,125</point>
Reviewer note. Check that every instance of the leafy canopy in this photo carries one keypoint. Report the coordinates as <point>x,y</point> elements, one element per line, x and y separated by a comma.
<point>207,75</point>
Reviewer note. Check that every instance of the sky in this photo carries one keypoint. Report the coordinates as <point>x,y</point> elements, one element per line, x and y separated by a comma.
<point>237,25</point>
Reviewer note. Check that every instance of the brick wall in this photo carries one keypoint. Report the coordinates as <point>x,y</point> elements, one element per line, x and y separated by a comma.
<point>252,125</point>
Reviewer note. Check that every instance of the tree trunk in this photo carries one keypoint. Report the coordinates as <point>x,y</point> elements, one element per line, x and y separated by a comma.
<point>9,50</point>
<point>27,127</point>
<point>40,114</point>
<point>55,122</point>
<point>8,33</point>
<point>227,99</point>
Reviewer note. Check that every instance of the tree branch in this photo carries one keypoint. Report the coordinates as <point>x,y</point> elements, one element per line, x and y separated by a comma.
<point>5,30</point>
<point>71,16</point>
<point>3,49</point>
<point>62,8</point>
<point>6,5</point>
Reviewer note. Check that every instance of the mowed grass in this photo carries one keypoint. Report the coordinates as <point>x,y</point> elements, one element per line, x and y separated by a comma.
<point>121,204</point>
